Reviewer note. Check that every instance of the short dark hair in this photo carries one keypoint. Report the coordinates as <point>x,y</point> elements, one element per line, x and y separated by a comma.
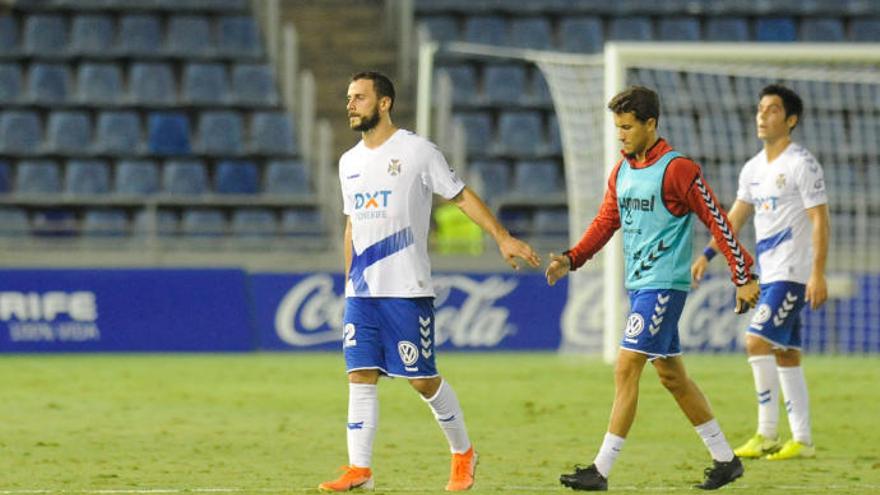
<point>642,101</point>
<point>791,102</point>
<point>381,83</point>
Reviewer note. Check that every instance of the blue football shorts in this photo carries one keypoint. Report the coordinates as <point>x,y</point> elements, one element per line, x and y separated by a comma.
<point>652,324</point>
<point>393,335</point>
<point>777,318</point>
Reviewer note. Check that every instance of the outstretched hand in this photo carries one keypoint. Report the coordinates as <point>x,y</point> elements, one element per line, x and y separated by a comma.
<point>558,267</point>
<point>747,296</point>
<point>512,248</point>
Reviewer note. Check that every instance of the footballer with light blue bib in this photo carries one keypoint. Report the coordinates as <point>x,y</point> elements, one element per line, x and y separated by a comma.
<point>393,335</point>
<point>652,324</point>
<point>778,316</point>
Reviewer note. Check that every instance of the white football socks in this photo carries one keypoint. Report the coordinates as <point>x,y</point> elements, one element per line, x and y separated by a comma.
<point>449,416</point>
<point>363,417</point>
<point>608,452</point>
<point>767,389</point>
<point>797,403</point>
<point>715,441</point>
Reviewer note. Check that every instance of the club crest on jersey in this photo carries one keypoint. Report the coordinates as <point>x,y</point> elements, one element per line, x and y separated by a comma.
<point>394,167</point>
<point>634,325</point>
<point>409,353</point>
<point>762,314</point>
<point>780,181</point>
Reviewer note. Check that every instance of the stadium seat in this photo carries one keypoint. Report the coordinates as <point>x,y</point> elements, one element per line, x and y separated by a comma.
<point>678,29</point>
<point>188,35</point>
<point>517,220</point>
<point>140,34</point>
<point>13,222</point>
<point>5,177</point>
<point>220,132</point>
<point>239,36</point>
<point>20,132</point>
<point>49,83</point>
<point>205,84</point>
<point>440,28</point>
<point>99,84</point>
<point>487,30</point>
<point>775,29</point>
<point>504,84</point>
<point>38,177</point>
<point>11,82</point>
<point>185,177</point>
<point>54,223</point>
<point>272,133</point>
<point>136,177</point>
<point>105,223</point>
<point>727,29</point>
<point>45,34</point>
<point>478,130</point>
<point>253,223</point>
<point>69,132</point>
<point>287,177</point>
<point>236,177</point>
<point>491,179</point>
<point>539,92</point>
<point>821,30</point>
<point>630,29</point>
<point>8,34</point>
<point>203,223</point>
<point>92,34</point>
<point>118,132</point>
<point>551,222</point>
<point>581,34</point>
<point>164,222</point>
<point>865,30</point>
<point>152,84</point>
<point>87,177</point>
<point>254,84</point>
<point>531,32</point>
<point>520,133</point>
<point>169,133</point>
<point>302,222</point>
<point>464,83</point>
<point>536,178</point>
<point>554,136</point>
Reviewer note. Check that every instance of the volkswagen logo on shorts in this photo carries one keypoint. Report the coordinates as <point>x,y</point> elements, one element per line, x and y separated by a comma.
<point>409,353</point>
<point>634,325</point>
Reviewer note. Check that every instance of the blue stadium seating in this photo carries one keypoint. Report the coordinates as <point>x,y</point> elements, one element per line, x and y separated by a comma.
<point>865,30</point>
<point>775,29</point>
<point>477,129</point>
<point>302,222</point>
<point>531,32</point>
<point>185,177</point>
<point>20,132</point>
<point>49,83</point>
<point>45,34</point>
<point>554,136</point>
<point>188,35</point>
<point>92,34</point>
<point>253,223</point>
<point>87,177</point>
<point>8,34</point>
<point>540,92</point>
<point>203,223</point>
<point>272,133</point>
<point>14,222</point>
<point>441,28</point>
<point>99,84</point>
<point>140,34</point>
<point>487,30</point>
<point>118,132</point>
<point>54,223</point>
<point>136,177</point>
<point>220,132</point>
<point>520,133</point>
<point>822,30</point>
<point>254,84</point>
<point>727,29</point>
<point>492,179</point>
<point>551,223</point>
<point>236,177</point>
<point>287,177</point>
<point>581,34</point>
<point>504,84</point>
<point>169,133</point>
<point>517,220</point>
<point>165,223</point>
<point>5,177</point>
<point>536,178</point>
<point>630,29</point>
<point>464,83</point>
<point>11,82</point>
<point>679,29</point>
<point>205,84</point>
<point>69,132</point>
<point>239,36</point>
<point>152,84</point>
<point>105,223</point>
<point>38,177</point>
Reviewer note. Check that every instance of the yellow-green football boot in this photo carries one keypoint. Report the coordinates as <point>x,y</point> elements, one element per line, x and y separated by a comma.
<point>793,450</point>
<point>758,446</point>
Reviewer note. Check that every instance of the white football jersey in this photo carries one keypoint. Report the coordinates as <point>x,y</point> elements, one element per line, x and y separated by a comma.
<point>388,193</point>
<point>781,192</point>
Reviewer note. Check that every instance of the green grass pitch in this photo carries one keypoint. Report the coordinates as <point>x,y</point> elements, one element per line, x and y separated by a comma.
<point>275,423</point>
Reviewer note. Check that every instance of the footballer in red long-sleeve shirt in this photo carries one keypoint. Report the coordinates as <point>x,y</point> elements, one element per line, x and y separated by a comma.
<point>651,195</point>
